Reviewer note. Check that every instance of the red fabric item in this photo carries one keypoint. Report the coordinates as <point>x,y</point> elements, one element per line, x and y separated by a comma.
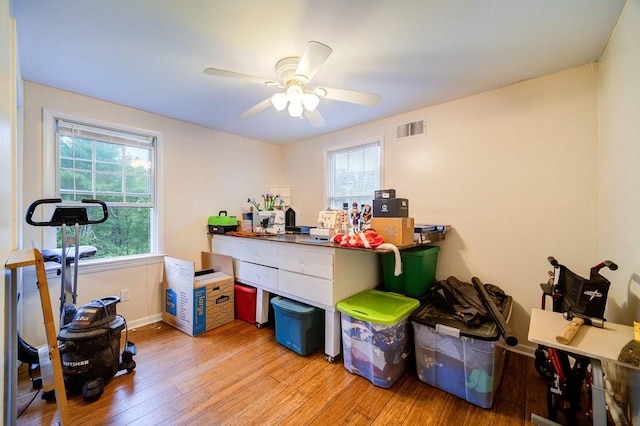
<point>372,238</point>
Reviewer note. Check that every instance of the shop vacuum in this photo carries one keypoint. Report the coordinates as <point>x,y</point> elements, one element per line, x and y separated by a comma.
<point>90,348</point>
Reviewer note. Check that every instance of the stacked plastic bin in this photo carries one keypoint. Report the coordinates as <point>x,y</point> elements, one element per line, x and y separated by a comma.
<point>464,361</point>
<point>418,270</point>
<point>376,335</point>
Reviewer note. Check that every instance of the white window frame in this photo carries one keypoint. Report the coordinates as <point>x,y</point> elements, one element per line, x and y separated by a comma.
<point>328,150</point>
<point>49,175</point>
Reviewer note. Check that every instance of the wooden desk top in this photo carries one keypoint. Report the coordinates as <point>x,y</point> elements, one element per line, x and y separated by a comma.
<point>20,258</point>
<point>593,342</point>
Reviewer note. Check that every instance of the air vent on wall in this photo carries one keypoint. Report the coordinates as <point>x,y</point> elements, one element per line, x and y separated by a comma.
<point>407,130</point>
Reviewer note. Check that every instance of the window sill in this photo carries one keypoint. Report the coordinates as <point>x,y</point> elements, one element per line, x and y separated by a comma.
<point>102,265</point>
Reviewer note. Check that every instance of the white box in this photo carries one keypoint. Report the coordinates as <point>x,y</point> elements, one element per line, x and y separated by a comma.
<point>196,304</point>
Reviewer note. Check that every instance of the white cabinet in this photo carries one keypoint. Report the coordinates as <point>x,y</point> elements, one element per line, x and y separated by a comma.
<point>256,275</point>
<point>307,287</point>
<point>317,262</point>
<point>319,274</point>
<point>258,252</point>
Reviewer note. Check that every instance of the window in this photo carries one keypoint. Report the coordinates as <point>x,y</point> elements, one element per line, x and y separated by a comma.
<point>353,174</point>
<point>117,166</point>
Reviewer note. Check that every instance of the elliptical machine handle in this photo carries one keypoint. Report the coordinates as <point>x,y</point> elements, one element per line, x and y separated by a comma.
<point>32,209</point>
<point>79,214</point>
<point>105,211</point>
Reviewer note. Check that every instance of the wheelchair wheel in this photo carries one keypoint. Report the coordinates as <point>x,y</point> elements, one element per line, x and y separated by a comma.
<point>543,367</point>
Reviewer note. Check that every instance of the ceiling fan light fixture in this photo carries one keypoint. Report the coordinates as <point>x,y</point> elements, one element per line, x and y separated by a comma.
<point>294,93</point>
<point>295,109</point>
<point>310,101</point>
<point>279,101</point>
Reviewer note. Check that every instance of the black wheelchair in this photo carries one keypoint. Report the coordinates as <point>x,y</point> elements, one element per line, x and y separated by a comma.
<point>567,373</point>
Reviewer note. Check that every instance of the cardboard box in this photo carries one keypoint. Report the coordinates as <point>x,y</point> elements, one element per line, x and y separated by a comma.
<point>394,230</point>
<point>196,303</point>
<point>384,193</point>
<point>391,207</point>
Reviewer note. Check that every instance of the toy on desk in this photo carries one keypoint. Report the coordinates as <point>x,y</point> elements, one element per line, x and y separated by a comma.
<point>365,217</point>
<point>355,216</point>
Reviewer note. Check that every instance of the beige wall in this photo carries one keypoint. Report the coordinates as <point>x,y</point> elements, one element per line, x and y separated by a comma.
<point>7,156</point>
<point>619,165</point>
<point>514,171</point>
<point>204,171</point>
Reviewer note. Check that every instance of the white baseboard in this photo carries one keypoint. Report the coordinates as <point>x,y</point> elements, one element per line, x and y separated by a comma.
<point>144,321</point>
<point>521,349</point>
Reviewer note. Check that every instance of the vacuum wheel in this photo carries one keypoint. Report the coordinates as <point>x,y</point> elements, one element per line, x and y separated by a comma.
<point>93,389</point>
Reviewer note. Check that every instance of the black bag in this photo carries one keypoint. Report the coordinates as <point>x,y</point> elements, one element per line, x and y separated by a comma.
<point>463,300</point>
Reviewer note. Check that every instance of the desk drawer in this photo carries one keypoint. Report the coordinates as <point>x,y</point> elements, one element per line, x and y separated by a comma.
<point>315,289</point>
<point>260,253</point>
<point>308,262</point>
<point>226,246</point>
<point>260,276</point>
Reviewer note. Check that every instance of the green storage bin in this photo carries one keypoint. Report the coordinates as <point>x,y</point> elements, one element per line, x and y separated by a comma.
<point>418,271</point>
<point>378,307</point>
<point>376,335</point>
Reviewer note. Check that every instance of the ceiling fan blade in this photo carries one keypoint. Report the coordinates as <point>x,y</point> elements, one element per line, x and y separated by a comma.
<point>315,118</point>
<point>259,107</point>
<point>351,96</point>
<point>311,60</point>
<point>239,76</point>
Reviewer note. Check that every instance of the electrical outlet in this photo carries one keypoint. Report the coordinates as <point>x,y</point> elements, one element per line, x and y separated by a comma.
<point>124,295</point>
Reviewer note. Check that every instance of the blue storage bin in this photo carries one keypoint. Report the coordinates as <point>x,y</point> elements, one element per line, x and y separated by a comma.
<point>299,327</point>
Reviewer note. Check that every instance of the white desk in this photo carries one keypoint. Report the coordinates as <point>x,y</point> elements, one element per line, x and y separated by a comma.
<point>318,273</point>
<point>598,344</point>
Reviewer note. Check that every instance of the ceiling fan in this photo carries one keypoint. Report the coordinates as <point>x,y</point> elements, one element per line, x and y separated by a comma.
<point>297,96</point>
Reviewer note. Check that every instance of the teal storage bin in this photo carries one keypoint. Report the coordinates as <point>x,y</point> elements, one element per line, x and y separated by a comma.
<point>299,327</point>
<point>376,335</point>
<point>418,271</point>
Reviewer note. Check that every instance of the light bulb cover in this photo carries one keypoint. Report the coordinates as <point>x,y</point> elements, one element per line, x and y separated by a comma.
<point>279,101</point>
<point>310,101</point>
<point>294,93</point>
<point>295,109</point>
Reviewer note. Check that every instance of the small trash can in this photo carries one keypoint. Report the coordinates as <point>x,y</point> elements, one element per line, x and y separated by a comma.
<point>418,271</point>
<point>376,335</point>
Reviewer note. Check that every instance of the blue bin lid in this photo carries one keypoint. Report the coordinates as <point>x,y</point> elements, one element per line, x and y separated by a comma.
<point>379,307</point>
<point>292,306</point>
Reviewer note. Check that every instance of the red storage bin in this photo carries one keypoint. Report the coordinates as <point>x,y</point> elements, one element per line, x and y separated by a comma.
<point>245,303</point>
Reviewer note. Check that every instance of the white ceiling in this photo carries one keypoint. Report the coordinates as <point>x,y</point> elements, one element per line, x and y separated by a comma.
<point>150,54</point>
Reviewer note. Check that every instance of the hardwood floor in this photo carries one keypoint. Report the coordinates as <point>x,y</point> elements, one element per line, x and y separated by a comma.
<point>238,375</point>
